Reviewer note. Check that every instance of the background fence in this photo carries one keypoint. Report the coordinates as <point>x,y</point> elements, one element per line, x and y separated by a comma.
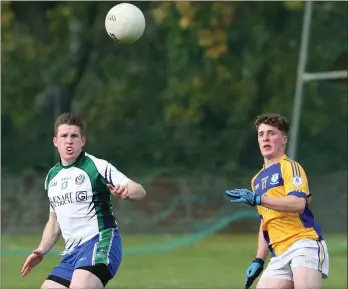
<point>177,204</point>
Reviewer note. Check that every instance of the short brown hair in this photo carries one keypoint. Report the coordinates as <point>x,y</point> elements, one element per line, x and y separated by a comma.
<point>69,119</point>
<point>273,119</point>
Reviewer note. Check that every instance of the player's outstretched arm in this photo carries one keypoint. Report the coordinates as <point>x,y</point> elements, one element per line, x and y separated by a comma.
<point>131,191</point>
<point>288,204</point>
<point>50,236</point>
<point>293,203</point>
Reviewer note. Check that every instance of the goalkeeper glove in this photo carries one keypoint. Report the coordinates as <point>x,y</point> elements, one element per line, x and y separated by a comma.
<point>253,272</point>
<point>244,196</point>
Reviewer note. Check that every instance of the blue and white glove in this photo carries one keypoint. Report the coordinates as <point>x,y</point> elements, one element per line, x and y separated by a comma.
<point>244,196</point>
<point>253,272</point>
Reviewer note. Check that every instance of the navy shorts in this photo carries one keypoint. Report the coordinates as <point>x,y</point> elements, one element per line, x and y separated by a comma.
<point>103,249</point>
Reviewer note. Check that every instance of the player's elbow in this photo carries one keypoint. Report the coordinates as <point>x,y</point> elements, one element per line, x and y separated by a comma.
<point>142,191</point>
<point>137,192</point>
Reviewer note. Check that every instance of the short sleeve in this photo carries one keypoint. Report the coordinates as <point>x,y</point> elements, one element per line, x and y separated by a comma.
<point>114,176</point>
<point>295,179</point>
<point>108,172</point>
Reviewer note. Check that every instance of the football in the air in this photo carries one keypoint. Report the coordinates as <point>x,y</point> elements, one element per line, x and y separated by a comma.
<point>125,23</point>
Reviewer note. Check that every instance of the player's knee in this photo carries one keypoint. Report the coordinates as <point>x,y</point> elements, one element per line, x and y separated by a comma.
<point>307,278</point>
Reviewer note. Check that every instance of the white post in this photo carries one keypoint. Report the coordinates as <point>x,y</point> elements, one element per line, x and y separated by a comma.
<point>296,112</point>
<point>325,75</point>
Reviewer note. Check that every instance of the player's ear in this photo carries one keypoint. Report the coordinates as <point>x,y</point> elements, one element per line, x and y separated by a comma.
<point>285,140</point>
<point>83,139</point>
<point>55,141</point>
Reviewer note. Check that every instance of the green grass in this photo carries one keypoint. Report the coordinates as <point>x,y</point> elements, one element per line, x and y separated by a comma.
<point>219,261</point>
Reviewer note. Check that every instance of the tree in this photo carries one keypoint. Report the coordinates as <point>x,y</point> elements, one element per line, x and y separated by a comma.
<point>183,97</point>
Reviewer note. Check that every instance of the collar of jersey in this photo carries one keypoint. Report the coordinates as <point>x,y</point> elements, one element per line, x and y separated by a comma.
<point>74,163</point>
<point>283,157</point>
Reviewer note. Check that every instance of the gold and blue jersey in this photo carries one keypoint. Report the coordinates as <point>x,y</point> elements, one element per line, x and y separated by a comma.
<point>281,230</point>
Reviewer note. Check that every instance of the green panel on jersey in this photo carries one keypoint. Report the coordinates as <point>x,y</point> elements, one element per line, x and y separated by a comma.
<point>51,174</point>
<point>101,253</point>
<point>101,194</point>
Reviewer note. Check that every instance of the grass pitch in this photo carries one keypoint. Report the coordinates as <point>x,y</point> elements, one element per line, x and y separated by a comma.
<point>218,261</point>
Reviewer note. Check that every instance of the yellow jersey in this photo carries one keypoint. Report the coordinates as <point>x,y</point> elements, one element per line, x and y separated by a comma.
<point>281,230</point>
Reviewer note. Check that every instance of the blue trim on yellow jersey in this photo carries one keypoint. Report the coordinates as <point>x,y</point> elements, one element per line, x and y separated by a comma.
<point>275,170</point>
<point>307,220</point>
<point>298,194</point>
<point>318,231</point>
<point>266,236</point>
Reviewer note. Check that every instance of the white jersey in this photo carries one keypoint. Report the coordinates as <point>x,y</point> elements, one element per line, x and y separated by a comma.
<point>80,198</point>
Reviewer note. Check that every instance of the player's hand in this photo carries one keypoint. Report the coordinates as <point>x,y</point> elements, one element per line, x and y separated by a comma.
<point>253,272</point>
<point>34,258</point>
<point>244,196</point>
<point>118,191</point>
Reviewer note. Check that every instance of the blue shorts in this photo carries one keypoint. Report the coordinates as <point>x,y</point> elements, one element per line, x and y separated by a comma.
<point>104,248</point>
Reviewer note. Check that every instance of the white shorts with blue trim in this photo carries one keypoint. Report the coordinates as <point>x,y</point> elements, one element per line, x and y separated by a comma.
<point>303,253</point>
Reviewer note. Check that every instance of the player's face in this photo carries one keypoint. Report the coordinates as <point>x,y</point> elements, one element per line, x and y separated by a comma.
<point>271,141</point>
<point>69,143</point>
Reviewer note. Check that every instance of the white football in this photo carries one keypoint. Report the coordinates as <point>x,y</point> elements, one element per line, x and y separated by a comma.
<point>125,23</point>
